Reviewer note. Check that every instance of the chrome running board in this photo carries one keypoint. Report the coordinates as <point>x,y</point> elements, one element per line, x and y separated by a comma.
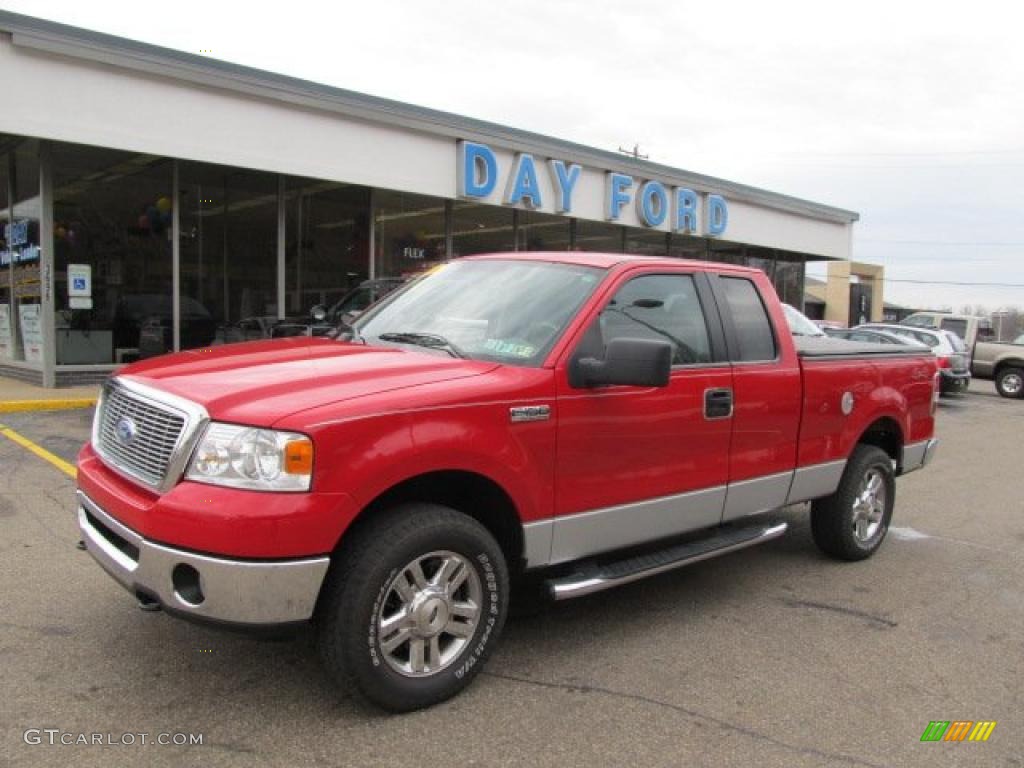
<point>605,576</point>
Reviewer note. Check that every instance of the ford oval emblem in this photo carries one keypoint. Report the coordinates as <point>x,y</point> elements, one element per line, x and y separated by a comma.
<point>126,430</point>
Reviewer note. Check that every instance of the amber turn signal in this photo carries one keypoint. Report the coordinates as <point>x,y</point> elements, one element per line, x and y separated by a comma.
<point>298,457</point>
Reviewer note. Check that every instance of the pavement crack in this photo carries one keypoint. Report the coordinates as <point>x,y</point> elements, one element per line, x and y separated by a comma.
<point>692,713</point>
<point>869,617</point>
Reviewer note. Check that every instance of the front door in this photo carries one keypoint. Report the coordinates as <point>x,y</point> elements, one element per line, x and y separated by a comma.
<point>640,463</point>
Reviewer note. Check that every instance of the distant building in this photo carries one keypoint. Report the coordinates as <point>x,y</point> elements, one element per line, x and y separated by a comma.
<point>852,294</point>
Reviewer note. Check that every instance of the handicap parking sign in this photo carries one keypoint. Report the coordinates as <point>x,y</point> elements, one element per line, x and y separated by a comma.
<point>79,281</point>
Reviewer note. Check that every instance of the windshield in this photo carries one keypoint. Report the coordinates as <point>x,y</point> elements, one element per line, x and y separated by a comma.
<point>919,321</point>
<point>798,323</point>
<point>504,311</point>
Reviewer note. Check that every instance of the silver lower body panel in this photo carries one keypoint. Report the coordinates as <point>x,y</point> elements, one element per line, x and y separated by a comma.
<point>256,593</point>
<point>918,455</point>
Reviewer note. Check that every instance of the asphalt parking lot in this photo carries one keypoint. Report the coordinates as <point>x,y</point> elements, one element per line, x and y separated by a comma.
<point>775,656</point>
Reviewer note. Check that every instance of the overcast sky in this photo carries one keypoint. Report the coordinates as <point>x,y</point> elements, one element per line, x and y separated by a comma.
<point>910,113</point>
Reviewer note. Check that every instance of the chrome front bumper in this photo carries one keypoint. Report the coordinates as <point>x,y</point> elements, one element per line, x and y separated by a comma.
<point>918,455</point>
<point>241,592</point>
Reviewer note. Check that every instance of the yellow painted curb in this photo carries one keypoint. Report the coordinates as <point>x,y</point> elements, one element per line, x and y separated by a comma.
<point>45,455</point>
<point>12,406</point>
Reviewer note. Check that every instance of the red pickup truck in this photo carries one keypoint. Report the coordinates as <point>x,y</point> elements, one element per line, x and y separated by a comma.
<point>588,418</point>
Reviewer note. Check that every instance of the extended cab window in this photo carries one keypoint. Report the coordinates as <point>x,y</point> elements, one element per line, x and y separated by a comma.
<point>661,307</point>
<point>750,319</point>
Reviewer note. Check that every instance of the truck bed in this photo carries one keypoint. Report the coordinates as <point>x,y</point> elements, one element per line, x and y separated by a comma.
<point>827,347</point>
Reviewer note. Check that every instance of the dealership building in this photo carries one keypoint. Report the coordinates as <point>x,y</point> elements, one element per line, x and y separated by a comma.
<point>154,200</point>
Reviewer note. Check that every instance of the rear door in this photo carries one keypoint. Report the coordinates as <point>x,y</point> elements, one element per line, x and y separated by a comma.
<point>640,463</point>
<point>768,394</point>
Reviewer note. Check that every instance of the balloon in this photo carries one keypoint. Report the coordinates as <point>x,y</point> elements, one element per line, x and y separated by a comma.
<point>60,232</point>
<point>143,221</point>
<point>164,205</point>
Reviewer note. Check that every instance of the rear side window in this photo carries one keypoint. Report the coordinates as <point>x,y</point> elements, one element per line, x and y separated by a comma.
<point>750,319</point>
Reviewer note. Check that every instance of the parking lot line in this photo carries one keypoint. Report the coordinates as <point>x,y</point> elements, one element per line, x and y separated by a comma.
<point>38,450</point>
<point>14,406</point>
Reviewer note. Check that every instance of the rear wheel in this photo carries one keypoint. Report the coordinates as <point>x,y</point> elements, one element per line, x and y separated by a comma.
<point>851,523</point>
<point>413,607</point>
<point>1010,382</point>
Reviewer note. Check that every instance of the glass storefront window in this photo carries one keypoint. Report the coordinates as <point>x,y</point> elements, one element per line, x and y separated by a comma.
<point>6,271</point>
<point>789,282</point>
<point>24,252</point>
<point>688,247</point>
<point>111,219</point>
<point>481,229</point>
<point>760,258</point>
<point>409,233</point>
<point>327,251</point>
<point>727,252</point>
<point>646,242</point>
<point>543,232</point>
<point>597,236</point>
<point>228,248</point>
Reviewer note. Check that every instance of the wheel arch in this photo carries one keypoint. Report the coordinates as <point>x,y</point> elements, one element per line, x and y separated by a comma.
<point>474,494</point>
<point>885,433</point>
<point>1007,362</point>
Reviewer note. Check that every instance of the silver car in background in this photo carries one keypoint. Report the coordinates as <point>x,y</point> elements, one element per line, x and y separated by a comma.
<point>950,351</point>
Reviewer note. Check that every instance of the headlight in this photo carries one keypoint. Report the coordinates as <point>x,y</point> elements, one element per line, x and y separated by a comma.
<point>248,457</point>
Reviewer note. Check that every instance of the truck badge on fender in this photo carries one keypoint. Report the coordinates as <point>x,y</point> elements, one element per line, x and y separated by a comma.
<point>529,413</point>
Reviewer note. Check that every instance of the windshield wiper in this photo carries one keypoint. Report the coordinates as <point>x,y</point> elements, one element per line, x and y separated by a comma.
<point>429,340</point>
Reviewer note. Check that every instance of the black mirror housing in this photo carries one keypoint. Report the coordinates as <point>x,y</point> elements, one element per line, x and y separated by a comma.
<point>631,362</point>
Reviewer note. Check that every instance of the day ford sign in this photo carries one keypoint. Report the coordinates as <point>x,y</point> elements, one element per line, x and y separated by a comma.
<point>478,175</point>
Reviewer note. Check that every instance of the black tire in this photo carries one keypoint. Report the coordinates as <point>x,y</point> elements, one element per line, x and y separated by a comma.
<point>836,524</point>
<point>362,587</point>
<point>1010,383</point>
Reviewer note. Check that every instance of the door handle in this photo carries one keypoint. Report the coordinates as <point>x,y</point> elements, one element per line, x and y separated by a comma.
<point>717,403</point>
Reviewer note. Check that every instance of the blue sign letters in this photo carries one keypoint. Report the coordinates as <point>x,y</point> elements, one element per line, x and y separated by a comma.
<point>478,170</point>
<point>616,194</point>
<point>652,203</point>
<point>565,179</point>
<point>685,218</point>
<point>717,216</point>
<point>522,183</point>
<point>686,211</point>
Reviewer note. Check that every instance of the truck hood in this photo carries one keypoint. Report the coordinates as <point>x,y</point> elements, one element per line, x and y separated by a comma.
<point>261,382</point>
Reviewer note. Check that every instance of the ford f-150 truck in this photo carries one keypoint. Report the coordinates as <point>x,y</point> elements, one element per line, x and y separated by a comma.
<point>584,419</point>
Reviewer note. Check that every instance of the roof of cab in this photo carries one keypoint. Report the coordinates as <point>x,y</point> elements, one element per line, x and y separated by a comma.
<point>606,260</point>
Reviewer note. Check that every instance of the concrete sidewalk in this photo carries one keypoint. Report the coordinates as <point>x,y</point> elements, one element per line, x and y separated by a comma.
<point>21,396</point>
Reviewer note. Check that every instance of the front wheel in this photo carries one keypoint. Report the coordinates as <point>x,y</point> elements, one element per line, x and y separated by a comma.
<point>851,523</point>
<point>1010,382</point>
<point>413,607</point>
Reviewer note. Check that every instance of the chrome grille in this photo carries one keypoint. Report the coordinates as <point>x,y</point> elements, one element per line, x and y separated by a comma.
<point>158,429</point>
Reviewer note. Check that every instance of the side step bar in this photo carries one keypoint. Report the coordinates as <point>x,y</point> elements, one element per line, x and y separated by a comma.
<point>598,577</point>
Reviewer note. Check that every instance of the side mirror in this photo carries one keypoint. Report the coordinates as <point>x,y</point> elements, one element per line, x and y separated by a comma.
<point>318,313</point>
<point>634,362</point>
